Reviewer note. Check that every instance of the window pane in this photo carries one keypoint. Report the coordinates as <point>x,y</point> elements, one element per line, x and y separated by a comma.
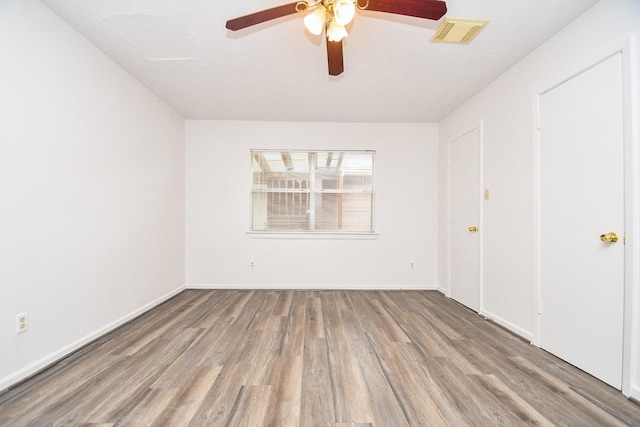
<point>357,169</point>
<point>270,166</point>
<point>343,212</point>
<point>280,211</point>
<point>308,191</point>
<point>344,170</point>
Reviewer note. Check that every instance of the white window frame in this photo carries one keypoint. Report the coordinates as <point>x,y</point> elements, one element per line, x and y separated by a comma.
<point>312,191</point>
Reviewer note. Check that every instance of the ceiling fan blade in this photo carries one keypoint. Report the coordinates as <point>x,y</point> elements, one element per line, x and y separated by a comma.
<point>266,15</point>
<point>334,57</point>
<point>426,9</point>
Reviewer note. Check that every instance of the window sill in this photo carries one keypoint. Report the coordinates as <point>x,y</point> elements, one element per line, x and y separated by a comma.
<point>313,235</point>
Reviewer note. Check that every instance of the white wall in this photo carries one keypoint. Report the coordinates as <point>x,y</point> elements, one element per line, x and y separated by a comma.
<point>218,208</point>
<point>506,108</point>
<point>92,191</point>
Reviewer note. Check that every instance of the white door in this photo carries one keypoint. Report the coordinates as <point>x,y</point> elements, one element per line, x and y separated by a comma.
<point>464,211</point>
<point>582,198</point>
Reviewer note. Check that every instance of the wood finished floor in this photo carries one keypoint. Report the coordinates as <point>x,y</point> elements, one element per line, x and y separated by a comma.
<point>313,358</point>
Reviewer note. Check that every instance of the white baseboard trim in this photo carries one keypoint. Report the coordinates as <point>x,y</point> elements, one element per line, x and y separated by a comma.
<point>635,392</point>
<point>52,358</point>
<point>367,287</point>
<point>528,335</point>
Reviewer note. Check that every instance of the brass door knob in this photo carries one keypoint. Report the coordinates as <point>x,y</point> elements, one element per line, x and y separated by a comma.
<point>473,229</point>
<point>609,237</point>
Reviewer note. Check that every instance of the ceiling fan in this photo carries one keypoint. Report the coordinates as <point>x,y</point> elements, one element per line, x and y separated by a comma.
<point>332,16</point>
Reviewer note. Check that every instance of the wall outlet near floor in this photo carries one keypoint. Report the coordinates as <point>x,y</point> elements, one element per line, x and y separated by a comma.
<point>22,324</point>
<point>252,264</point>
<point>412,265</point>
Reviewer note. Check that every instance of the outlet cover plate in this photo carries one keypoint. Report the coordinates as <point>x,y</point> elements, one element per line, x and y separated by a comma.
<point>22,324</point>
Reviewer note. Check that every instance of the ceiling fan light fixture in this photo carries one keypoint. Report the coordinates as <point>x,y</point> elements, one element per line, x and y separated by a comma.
<point>344,11</point>
<point>335,31</point>
<point>314,22</point>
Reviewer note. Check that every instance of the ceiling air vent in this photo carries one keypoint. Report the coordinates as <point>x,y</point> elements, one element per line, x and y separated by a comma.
<point>458,30</point>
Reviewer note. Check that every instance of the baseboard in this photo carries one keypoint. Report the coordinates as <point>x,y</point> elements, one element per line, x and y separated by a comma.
<point>527,335</point>
<point>635,393</point>
<point>367,287</point>
<point>52,358</point>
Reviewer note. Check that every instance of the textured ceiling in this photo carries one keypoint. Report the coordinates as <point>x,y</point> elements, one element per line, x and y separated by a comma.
<point>181,50</point>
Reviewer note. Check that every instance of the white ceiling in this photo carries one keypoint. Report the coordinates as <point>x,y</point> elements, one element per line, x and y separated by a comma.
<point>181,50</point>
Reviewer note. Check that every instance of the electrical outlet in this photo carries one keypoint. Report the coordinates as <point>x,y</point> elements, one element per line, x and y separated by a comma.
<point>412,265</point>
<point>22,324</point>
<point>252,264</point>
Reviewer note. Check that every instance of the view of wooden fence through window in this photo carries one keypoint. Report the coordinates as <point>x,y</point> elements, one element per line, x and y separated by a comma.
<point>312,191</point>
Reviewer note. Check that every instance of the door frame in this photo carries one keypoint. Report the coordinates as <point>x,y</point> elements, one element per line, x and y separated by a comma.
<point>631,315</point>
<point>480,129</point>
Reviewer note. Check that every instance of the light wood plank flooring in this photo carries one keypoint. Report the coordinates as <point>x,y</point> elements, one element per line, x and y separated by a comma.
<point>313,358</point>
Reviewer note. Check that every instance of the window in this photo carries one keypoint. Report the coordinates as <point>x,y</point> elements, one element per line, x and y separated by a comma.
<point>312,191</point>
